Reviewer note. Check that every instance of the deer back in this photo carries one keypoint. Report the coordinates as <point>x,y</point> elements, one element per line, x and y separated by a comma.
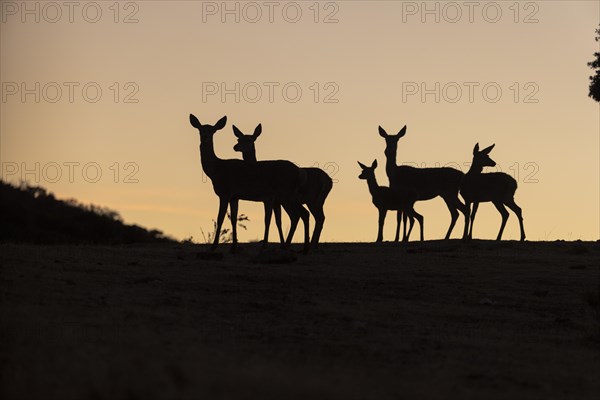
<point>264,180</point>
<point>494,186</point>
<point>426,182</point>
<point>317,187</point>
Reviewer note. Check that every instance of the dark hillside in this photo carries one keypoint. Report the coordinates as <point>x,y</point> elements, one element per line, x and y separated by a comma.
<point>31,214</point>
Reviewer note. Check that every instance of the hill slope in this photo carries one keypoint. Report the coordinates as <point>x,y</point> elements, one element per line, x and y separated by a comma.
<point>31,214</point>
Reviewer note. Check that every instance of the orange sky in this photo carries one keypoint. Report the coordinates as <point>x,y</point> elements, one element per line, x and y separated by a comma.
<point>358,70</point>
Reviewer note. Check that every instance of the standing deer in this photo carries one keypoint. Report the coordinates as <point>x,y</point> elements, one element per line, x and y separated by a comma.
<point>427,183</point>
<point>497,187</point>
<point>386,199</point>
<point>271,182</point>
<point>313,193</point>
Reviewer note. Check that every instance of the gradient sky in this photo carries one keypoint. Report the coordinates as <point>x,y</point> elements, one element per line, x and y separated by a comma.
<point>548,132</point>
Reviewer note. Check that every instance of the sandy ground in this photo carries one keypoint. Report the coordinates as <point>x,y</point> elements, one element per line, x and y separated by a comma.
<point>433,320</point>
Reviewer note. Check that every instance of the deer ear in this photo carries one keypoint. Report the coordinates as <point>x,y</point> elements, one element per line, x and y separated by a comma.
<point>488,149</point>
<point>363,166</point>
<point>194,121</point>
<point>237,132</point>
<point>476,149</point>
<point>402,132</point>
<point>221,123</point>
<point>374,165</point>
<point>257,131</point>
<point>382,132</point>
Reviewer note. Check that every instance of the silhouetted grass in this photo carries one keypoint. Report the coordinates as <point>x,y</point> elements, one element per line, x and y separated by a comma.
<point>226,234</point>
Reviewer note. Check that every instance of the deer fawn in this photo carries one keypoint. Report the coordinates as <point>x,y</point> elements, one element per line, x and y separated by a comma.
<point>426,182</point>
<point>313,193</point>
<point>497,187</point>
<point>271,182</point>
<point>386,199</point>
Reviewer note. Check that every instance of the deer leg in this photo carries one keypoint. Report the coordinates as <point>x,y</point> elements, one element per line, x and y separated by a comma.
<point>268,210</point>
<point>398,223</point>
<point>419,218</point>
<point>408,216</point>
<point>317,212</point>
<point>472,218</point>
<point>294,218</point>
<point>277,212</point>
<point>233,207</point>
<point>305,215</point>
<point>467,212</point>
<point>296,211</point>
<point>220,217</point>
<point>295,214</point>
<point>452,207</point>
<point>468,216</point>
<point>382,213</point>
<point>502,210</point>
<point>517,210</point>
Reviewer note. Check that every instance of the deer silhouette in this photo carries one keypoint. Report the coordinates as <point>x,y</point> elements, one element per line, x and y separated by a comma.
<point>497,187</point>
<point>427,183</point>
<point>386,199</point>
<point>273,183</point>
<point>313,193</point>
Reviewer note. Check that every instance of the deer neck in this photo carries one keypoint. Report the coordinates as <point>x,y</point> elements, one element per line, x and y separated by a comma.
<point>475,169</point>
<point>390,159</point>
<point>208,158</point>
<point>249,155</point>
<point>373,186</point>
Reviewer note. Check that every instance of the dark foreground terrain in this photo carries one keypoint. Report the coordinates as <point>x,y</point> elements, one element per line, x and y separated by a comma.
<point>436,320</point>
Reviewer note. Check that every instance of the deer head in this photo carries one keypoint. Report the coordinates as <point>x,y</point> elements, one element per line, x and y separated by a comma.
<point>207,131</point>
<point>367,172</point>
<point>245,143</point>
<point>391,141</point>
<point>482,158</point>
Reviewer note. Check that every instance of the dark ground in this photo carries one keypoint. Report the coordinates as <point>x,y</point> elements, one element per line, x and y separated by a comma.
<point>433,320</point>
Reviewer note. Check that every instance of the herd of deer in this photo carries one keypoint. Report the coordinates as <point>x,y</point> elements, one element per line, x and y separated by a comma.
<point>280,183</point>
